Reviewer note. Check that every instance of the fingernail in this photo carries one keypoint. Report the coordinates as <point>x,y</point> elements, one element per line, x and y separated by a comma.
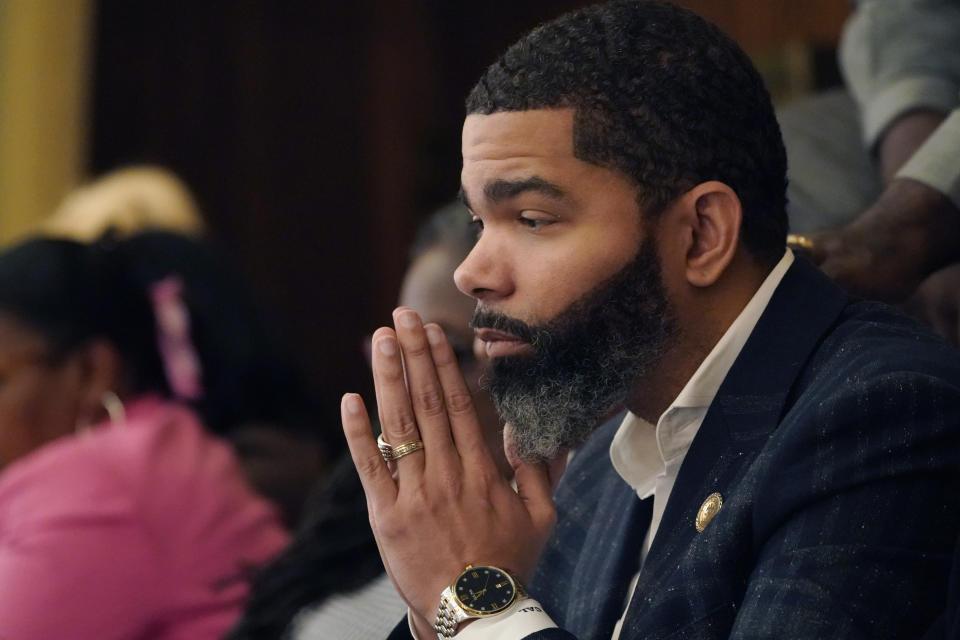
<point>408,319</point>
<point>387,346</point>
<point>434,334</point>
<point>352,402</point>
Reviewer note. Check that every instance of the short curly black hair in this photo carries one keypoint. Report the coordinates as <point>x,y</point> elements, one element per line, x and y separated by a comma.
<point>662,96</point>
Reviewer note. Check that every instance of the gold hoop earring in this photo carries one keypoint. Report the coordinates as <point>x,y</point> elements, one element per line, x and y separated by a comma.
<point>115,409</point>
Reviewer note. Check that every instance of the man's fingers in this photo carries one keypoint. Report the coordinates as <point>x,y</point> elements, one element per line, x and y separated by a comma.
<point>397,420</point>
<point>374,475</point>
<point>464,423</point>
<point>425,390</point>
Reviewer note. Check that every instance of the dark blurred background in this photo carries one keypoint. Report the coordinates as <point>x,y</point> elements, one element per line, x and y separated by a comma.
<point>317,134</point>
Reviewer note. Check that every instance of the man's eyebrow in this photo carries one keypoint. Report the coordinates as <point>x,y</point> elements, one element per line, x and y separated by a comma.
<point>499,190</point>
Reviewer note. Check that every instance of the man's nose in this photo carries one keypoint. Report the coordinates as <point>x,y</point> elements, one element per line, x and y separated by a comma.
<point>484,273</point>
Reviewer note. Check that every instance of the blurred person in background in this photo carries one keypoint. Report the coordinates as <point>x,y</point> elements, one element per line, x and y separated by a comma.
<point>127,200</point>
<point>874,168</point>
<point>122,513</point>
<point>255,394</point>
<point>267,413</point>
<point>330,582</point>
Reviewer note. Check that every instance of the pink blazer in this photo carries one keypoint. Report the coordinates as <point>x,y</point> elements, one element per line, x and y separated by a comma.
<point>142,531</point>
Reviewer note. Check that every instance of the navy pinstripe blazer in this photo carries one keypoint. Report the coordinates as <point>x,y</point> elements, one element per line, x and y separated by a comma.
<point>835,443</point>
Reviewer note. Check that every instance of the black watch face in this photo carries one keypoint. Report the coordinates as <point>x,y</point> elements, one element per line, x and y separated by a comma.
<point>484,590</point>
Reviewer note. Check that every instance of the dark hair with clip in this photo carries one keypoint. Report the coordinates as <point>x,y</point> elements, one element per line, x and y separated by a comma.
<point>72,292</point>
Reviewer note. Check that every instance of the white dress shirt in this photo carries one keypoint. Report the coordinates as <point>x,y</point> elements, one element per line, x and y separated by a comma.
<point>648,457</point>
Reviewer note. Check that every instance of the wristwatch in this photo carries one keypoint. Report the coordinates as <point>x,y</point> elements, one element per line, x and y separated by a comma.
<point>478,592</point>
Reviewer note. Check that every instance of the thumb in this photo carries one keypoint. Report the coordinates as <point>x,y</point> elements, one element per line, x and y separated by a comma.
<point>535,480</point>
<point>555,468</point>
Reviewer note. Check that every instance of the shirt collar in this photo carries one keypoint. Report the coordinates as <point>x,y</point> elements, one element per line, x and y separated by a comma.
<point>639,451</point>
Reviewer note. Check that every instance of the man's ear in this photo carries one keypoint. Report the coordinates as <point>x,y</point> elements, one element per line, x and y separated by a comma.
<point>712,214</point>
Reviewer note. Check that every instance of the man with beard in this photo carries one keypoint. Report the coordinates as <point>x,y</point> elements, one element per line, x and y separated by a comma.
<point>583,361</point>
<point>781,468</point>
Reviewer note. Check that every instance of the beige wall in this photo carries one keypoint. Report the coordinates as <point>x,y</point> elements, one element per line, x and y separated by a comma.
<point>44,68</point>
<point>760,26</point>
<point>779,35</point>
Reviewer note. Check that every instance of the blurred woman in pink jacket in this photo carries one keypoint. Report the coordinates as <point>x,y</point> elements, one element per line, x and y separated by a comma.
<point>123,514</point>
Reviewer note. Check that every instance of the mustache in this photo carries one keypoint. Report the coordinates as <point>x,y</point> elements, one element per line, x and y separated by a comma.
<point>502,322</point>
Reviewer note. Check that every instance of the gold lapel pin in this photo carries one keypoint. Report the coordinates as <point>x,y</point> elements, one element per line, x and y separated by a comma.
<point>708,509</point>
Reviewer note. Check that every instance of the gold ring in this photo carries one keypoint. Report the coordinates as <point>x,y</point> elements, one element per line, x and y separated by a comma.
<point>798,241</point>
<point>390,452</point>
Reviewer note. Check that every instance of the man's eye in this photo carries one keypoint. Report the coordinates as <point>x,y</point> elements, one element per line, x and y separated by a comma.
<point>534,223</point>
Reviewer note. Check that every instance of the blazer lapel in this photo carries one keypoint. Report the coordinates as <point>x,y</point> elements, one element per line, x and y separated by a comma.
<point>594,552</point>
<point>747,408</point>
<point>601,578</point>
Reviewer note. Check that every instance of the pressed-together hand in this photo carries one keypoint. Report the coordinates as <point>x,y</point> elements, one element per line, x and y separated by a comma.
<point>446,505</point>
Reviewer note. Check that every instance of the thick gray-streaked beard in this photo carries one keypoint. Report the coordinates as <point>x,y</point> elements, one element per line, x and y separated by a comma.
<point>585,360</point>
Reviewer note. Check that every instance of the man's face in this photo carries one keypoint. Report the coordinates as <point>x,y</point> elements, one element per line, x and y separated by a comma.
<point>570,301</point>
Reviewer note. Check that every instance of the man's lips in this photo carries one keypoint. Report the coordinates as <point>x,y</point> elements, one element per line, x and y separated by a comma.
<point>499,343</point>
